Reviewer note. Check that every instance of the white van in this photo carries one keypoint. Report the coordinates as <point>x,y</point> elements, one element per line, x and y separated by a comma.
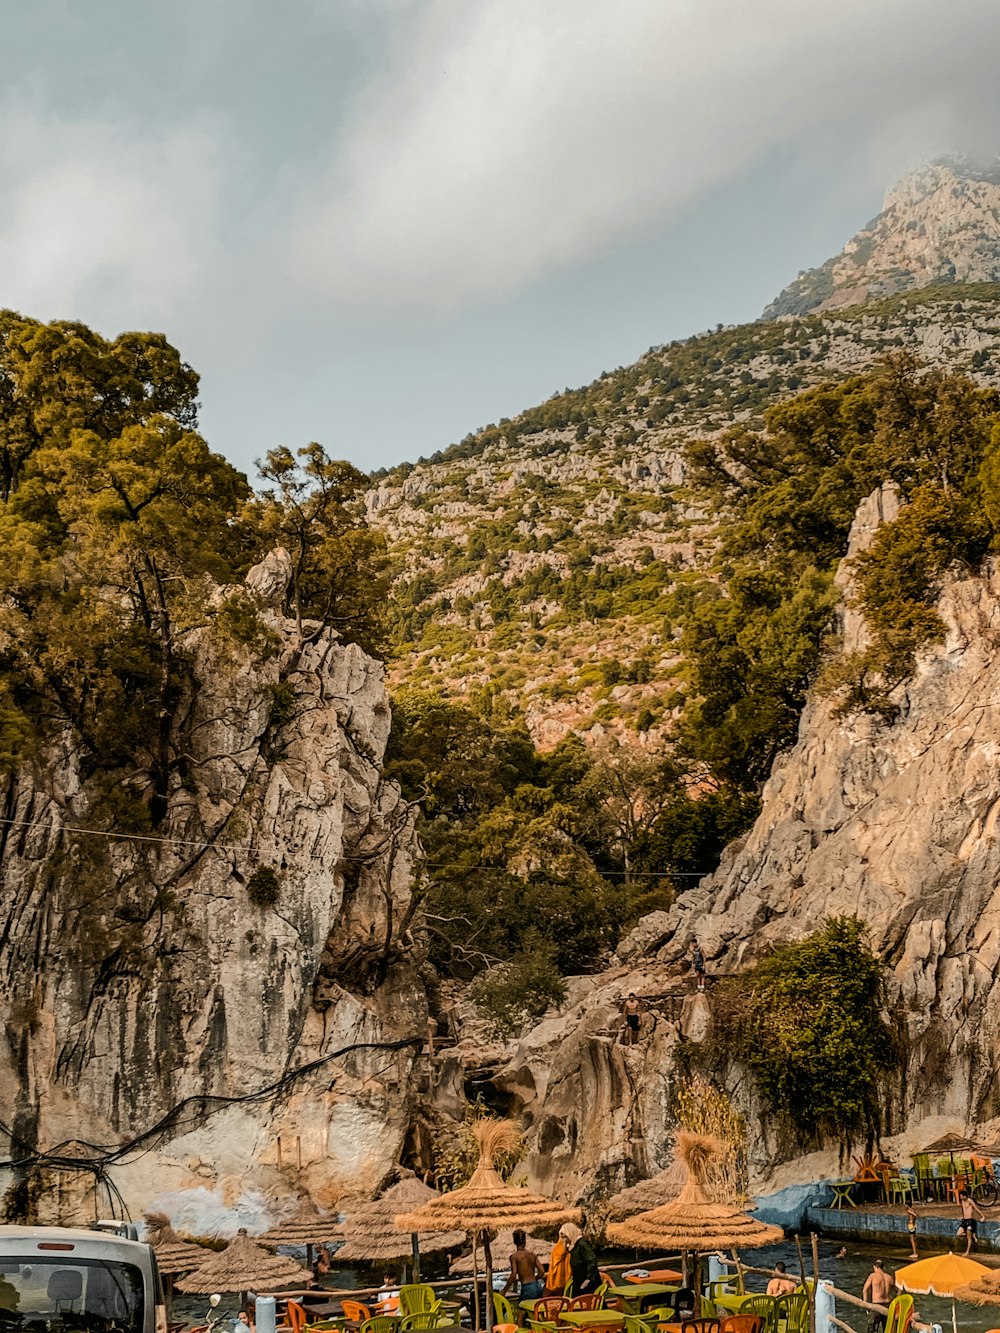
<point>58,1280</point>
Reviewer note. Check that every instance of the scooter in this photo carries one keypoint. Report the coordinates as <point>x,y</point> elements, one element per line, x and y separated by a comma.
<point>214,1315</point>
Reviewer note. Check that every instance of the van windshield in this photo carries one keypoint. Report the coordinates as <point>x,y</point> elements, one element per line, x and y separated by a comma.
<point>50,1294</point>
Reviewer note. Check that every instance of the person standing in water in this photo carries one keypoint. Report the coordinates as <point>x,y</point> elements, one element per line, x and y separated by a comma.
<point>911,1227</point>
<point>878,1289</point>
<point>525,1268</point>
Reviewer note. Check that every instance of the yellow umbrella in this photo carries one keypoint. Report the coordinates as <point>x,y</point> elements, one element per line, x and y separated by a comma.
<point>940,1275</point>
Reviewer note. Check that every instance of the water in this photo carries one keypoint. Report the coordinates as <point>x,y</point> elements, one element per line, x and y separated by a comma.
<point>849,1274</point>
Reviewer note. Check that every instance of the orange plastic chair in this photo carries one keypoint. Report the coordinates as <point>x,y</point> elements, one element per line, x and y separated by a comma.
<point>548,1309</point>
<point>355,1311</point>
<point>700,1326</point>
<point>295,1316</point>
<point>591,1301</point>
<point>741,1323</point>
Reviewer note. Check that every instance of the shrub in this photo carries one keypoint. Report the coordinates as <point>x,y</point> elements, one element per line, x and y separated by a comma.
<point>808,1024</point>
<point>263,887</point>
<point>522,988</point>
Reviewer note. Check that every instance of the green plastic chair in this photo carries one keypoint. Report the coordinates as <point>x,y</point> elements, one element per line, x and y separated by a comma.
<point>794,1310</point>
<point>633,1324</point>
<point>924,1173</point>
<point>380,1323</point>
<point>418,1298</point>
<point>426,1319</point>
<point>900,1313</point>
<point>503,1310</point>
<point>766,1307</point>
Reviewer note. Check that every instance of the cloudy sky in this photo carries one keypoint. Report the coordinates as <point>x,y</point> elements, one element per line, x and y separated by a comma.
<point>384,223</point>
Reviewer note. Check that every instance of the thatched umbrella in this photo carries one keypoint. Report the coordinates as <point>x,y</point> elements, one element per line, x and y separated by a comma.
<point>984,1290</point>
<point>692,1222</point>
<point>372,1234</point>
<point>243,1266</point>
<point>503,1243</point>
<point>306,1228</point>
<point>173,1255</point>
<point>487,1204</point>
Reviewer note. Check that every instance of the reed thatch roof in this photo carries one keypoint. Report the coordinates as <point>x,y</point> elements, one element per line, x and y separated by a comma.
<point>306,1227</point>
<point>243,1265</point>
<point>983,1291</point>
<point>372,1234</point>
<point>173,1255</point>
<point>503,1247</point>
<point>486,1203</point>
<point>692,1221</point>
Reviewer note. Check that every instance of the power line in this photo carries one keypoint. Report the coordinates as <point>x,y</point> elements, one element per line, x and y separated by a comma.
<point>232,847</point>
<point>111,833</point>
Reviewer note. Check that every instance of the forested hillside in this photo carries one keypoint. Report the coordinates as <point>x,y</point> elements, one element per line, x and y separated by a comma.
<point>651,560</point>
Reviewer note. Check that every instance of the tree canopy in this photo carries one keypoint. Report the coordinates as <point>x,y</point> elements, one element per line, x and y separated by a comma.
<point>119,527</point>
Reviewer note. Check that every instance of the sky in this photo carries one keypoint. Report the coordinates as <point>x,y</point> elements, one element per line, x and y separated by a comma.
<point>382,224</point>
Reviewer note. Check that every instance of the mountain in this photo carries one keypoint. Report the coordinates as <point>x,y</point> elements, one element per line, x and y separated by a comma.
<point>543,561</point>
<point>940,224</point>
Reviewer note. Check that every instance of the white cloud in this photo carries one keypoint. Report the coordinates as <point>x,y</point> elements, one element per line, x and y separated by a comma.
<point>100,224</point>
<point>508,138</point>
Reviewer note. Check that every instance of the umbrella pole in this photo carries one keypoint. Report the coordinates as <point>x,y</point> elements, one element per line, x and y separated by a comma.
<point>488,1258</point>
<point>415,1241</point>
<point>475,1280</point>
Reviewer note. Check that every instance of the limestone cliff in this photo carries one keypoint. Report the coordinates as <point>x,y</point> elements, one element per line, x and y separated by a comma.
<point>136,974</point>
<point>940,224</point>
<point>895,823</point>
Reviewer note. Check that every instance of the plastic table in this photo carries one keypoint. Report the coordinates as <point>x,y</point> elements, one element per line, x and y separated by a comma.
<point>592,1318</point>
<point>841,1193</point>
<point>635,1293</point>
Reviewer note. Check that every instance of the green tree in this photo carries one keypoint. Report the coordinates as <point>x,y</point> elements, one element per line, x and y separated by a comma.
<point>62,377</point>
<point>111,546</point>
<point>314,507</point>
<point>807,1022</point>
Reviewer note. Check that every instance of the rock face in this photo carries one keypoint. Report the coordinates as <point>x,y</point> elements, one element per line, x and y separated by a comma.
<point>894,823</point>
<point>938,224</point>
<point>136,975</point>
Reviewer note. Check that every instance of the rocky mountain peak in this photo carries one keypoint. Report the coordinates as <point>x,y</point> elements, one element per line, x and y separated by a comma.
<point>939,224</point>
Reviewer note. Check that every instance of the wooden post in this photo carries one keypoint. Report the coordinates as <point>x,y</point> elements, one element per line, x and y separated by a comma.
<point>740,1280</point>
<point>488,1257</point>
<point>415,1249</point>
<point>815,1255</point>
<point>475,1280</point>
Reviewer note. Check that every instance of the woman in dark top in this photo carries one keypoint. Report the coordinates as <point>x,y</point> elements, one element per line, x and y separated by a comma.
<point>582,1259</point>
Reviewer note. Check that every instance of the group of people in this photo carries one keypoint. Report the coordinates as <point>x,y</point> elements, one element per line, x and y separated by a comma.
<point>572,1257</point>
<point>632,1007</point>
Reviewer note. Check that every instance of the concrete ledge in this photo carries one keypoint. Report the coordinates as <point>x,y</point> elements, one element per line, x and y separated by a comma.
<point>890,1228</point>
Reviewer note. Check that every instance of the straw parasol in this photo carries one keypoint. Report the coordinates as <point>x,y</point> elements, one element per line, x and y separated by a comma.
<point>173,1255</point>
<point>487,1204</point>
<point>372,1234</point>
<point>503,1243</point>
<point>692,1222</point>
<point>940,1275</point>
<point>983,1291</point>
<point>243,1265</point>
<point>306,1228</point>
